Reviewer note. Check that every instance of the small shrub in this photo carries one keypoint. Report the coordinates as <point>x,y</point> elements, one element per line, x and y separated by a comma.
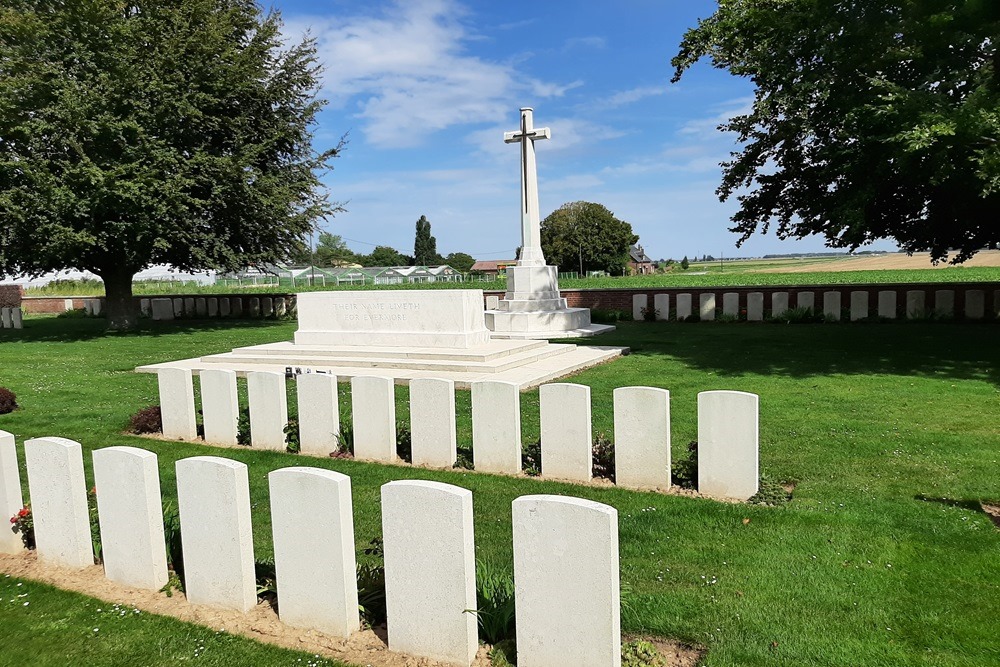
<point>267,580</point>
<point>172,538</point>
<point>147,420</point>
<point>495,603</point>
<point>531,458</point>
<point>292,443</point>
<point>641,653</point>
<point>603,457</point>
<point>345,442</point>
<point>371,585</point>
<point>243,428</point>
<point>609,316</point>
<point>684,471</point>
<point>24,524</point>
<point>95,526</point>
<point>649,314</point>
<point>404,443</point>
<point>770,492</point>
<point>503,654</point>
<point>726,317</point>
<point>798,316</point>
<point>8,401</point>
<point>75,314</point>
<point>464,460</point>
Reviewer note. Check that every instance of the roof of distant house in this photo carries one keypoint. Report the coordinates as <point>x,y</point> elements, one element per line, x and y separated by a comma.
<point>493,264</point>
<point>638,255</point>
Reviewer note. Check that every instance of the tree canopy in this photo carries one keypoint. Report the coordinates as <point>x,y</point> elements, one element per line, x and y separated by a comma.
<point>460,261</point>
<point>384,255</point>
<point>871,119</point>
<point>153,132</point>
<point>583,236</point>
<point>425,245</point>
<point>332,250</point>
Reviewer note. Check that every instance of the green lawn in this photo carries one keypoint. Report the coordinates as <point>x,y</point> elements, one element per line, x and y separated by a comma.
<point>883,557</point>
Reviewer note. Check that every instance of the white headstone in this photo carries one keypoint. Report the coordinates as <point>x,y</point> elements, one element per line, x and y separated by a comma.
<point>11,500</point>
<point>706,306</point>
<point>5,320</point>
<point>58,493</point>
<point>567,440</point>
<point>88,309</point>
<point>432,422</point>
<point>201,307</point>
<point>779,303</point>
<point>319,413</point>
<point>213,306</point>
<point>728,449</point>
<point>314,557</point>
<point>638,305</point>
<point>683,306</point>
<point>268,409</point>
<point>492,302</point>
<point>144,307</point>
<point>430,575</point>
<point>213,499</point>
<point>131,517</point>
<point>496,427</point>
<point>566,581</point>
<point>642,437</point>
<point>236,305</point>
<point>806,300</point>
<point>280,307</point>
<point>731,304</point>
<point>755,306</point>
<point>67,304</point>
<point>17,318</point>
<point>373,409</point>
<point>253,307</point>
<point>975,304</point>
<point>178,307</point>
<point>831,305</point>
<point>267,306</point>
<point>661,303</point>
<point>162,309</point>
<point>915,303</point>
<point>189,309</point>
<point>224,308</point>
<point>220,406</point>
<point>887,304</point>
<point>944,302</point>
<point>859,305</point>
<point>177,411</point>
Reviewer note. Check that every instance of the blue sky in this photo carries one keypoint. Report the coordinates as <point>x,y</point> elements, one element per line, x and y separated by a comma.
<point>426,88</point>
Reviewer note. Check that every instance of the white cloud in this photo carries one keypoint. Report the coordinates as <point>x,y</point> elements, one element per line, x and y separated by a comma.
<point>630,96</point>
<point>408,73</point>
<point>709,127</point>
<point>589,42</point>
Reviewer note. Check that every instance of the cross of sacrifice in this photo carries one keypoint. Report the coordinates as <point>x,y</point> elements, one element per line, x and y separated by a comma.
<point>531,241</point>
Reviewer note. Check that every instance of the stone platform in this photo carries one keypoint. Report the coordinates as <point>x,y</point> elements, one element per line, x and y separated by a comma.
<point>527,363</point>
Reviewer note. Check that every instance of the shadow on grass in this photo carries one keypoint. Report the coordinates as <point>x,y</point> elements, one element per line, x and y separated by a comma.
<point>68,330</point>
<point>946,349</point>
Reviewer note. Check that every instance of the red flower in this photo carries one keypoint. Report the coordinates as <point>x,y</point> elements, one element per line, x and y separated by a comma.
<point>13,519</point>
<point>24,512</point>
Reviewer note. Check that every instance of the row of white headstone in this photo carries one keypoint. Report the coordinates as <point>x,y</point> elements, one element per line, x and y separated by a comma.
<point>860,308</point>
<point>211,307</point>
<point>728,442</point>
<point>11,318</point>
<point>566,570</point>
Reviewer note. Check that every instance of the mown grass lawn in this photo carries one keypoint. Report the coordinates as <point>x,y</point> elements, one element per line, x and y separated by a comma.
<point>883,557</point>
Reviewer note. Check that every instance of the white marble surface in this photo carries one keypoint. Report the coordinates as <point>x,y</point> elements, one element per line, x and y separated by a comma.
<point>642,437</point>
<point>58,491</point>
<point>728,444</point>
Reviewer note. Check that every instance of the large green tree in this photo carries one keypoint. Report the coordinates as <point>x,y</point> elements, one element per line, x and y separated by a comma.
<point>153,131</point>
<point>584,236</point>
<point>460,261</point>
<point>425,245</point>
<point>384,255</point>
<point>332,250</point>
<point>871,119</point>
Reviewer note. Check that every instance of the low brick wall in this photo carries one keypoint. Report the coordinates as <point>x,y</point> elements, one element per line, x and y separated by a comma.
<point>59,304</point>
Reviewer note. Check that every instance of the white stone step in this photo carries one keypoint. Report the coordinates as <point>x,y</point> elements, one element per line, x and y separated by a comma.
<point>495,349</point>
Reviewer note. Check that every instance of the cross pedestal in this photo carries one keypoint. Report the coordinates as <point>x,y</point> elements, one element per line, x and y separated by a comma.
<point>533,306</point>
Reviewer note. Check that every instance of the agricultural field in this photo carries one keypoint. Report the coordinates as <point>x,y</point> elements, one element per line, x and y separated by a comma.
<point>884,555</point>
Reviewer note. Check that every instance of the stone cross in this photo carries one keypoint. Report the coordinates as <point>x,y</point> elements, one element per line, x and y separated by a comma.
<point>531,235</point>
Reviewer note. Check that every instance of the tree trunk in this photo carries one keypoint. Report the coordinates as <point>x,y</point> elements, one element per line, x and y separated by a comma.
<point>122,311</point>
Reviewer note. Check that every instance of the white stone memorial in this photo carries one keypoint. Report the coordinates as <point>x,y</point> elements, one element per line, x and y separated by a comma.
<point>319,413</point>
<point>566,581</point>
<point>532,306</point>
<point>567,439</point>
<point>177,413</point>
<point>638,305</point>
<point>178,307</point>
<point>944,302</point>
<point>859,305</point>
<point>131,517</point>
<point>728,449</point>
<point>373,409</point>
<point>831,305</point>
<point>915,304</point>
<point>806,300</point>
<point>492,302</point>
<point>642,437</point>
<point>779,303</point>
<point>683,306</point>
<point>144,307</point>
<point>267,306</point>
<point>430,575</point>
<point>213,306</point>
<point>661,303</point>
<point>11,500</point>
<point>213,499</point>
<point>312,523</point>
<point>5,320</point>
<point>225,310</point>
<point>17,318</point>
<point>432,423</point>
<point>887,304</point>
<point>268,399</point>
<point>755,306</point>
<point>706,306</point>
<point>162,309</point>
<point>201,307</point>
<point>58,493</point>
<point>496,427</point>
<point>731,304</point>
<point>975,304</point>
<point>219,406</point>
